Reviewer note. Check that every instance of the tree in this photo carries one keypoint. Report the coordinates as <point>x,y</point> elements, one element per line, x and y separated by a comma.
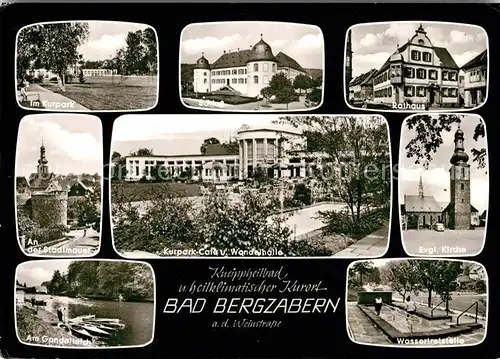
<point>88,210</point>
<point>361,269</point>
<point>446,280</point>
<point>142,152</point>
<point>374,276</point>
<point>428,272</point>
<point>118,61</point>
<point>208,141</point>
<point>403,277</point>
<point>134,53</point>
<point>151,52</point>
<point>282,88</point>
<point>356,158</point>
<point>428,137</point>
<point>53,46</point>
<point>302,82</point>
<point>267,94</point>
<point>119,169</point>
<point>187,78</point>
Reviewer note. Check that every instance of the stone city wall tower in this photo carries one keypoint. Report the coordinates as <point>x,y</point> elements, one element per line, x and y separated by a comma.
<point>460,207</point>
<point>50,208</point>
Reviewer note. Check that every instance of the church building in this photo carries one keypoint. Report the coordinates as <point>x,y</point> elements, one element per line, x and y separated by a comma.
<point>423,212</point>
<point>245,72</point>
<point>418,73</point>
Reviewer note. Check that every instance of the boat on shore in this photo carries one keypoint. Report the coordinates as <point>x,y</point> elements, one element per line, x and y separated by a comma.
<point>91,328</point>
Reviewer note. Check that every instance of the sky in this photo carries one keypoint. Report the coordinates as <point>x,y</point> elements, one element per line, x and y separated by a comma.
<point>34,273</point>
<point>73,143</point>
<point>436,180</point>
<point>168,135</point>
<point>373,44</point>
<point>105,38</point>
<point>304,43</point>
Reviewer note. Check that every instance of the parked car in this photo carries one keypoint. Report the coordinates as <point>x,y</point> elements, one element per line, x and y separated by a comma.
<point>439,227</point>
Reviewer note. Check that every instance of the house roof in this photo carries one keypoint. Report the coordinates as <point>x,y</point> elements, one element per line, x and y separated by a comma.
<point>421,204</point>
<point>40,182</point>
<point>21,181</point>
<point>481,59</point>
<point>286,61</point>
<point>483,215</point>
<point>443,54</point>
<point>220,149</point>
<point>464,279</point>
<point>472,208</point>
<point>363,78</point>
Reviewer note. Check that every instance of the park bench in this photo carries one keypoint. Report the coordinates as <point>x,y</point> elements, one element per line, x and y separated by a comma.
<point>35,96</point>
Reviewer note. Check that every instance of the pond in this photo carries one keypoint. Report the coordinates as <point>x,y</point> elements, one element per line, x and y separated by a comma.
<point>138,317</point>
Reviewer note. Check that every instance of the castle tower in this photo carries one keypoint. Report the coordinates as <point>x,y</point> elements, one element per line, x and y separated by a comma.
<point>348,64</point>
<point>42,168</point>
<point>261,67</point>
<point>201,75</point>
<point>460,208</point>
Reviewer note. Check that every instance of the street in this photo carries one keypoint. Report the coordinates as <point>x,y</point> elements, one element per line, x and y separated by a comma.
<point>450,243</point>
<point>77,244</point>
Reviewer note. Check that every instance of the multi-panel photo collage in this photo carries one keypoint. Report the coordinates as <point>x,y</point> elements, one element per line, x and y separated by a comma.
<point>252,193</point>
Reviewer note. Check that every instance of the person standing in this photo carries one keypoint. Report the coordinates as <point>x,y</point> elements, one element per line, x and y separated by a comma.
<point>378,305</point>
<point>410,306</point>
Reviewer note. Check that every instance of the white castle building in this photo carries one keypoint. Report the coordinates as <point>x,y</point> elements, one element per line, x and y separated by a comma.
<point>243,71</point>
<point>280,152</point>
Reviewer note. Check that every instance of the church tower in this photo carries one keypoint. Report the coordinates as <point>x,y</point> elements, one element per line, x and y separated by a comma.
<point>43,168</point>
<point>348,64</point>
<point>459,208</point>
<point>421,188</point>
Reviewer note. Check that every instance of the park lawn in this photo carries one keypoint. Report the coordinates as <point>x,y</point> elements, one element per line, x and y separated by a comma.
<point>138,191</point>
<point>109,96</point>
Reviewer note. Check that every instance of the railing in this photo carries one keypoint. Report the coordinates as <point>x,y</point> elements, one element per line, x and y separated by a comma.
<point>466,310</point>
<point>402,312</point>
<point>433,309</point>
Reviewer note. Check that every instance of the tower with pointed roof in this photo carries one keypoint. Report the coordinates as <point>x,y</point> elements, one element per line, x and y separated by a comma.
<point>420,188</point>
<point>348,63</point>
<point>42,168</point>
<point>459,209</point>
<point>201,75</point>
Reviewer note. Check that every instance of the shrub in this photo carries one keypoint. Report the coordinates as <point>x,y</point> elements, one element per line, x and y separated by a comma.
<point>304,249</point>
<point>315,95</point>
<point>480,287</point>
<point>81,78</point>
<point>52,233</point>
<point>302,194</point>
<point>343,223</point>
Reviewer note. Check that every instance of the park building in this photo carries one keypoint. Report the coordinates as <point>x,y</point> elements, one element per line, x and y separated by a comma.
<point>278,152</point>
<point>475,80</point>
<point>245,72</point>
<point>423,212</point>
<point>418,73</point>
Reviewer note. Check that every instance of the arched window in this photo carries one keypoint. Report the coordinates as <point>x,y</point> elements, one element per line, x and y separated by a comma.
<point>463,172</point>
<point>256,79</point>
<point>255,67</point>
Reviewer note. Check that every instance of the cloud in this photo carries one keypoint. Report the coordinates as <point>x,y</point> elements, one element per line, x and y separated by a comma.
<point>108,42</point>
<point>277,43</point>
<point>308,42</point>
<point>214,44</point>
<point>364,63</point>
<point>370,40</point>
<point>460,37</point>
<point>79,146</point>
<point>463,58</point>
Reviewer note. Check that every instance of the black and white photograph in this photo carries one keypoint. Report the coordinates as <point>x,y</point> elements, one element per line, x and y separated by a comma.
<point>252,66</point>
<point>443,185</point>
<point>250,186</point>
<point>82,66</point>
<point>58,183</point>
<point>428,303</point>
<point>412,66</point>
<point>85,304</point>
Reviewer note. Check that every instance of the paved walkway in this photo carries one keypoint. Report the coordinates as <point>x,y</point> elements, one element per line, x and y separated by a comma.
<point>362,329</point>
<point>53,101</point>
<point>252,106</point>
<point>450,243</point>
<point>373,245</point>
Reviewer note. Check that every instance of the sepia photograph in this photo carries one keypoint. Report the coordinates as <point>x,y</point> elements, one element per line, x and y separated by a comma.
<point>252,66</point>
<point>82,66</point>
<point>427,303</point>
<point>85,303</point>
<point>59,163</point>
<point>250,186</point>
<point>443,185</point>
<point>411,66</point>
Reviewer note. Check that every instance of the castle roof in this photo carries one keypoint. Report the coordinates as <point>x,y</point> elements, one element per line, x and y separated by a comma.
<point>202,63</point>
<point>286,61</point>
<point>481,59</point>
